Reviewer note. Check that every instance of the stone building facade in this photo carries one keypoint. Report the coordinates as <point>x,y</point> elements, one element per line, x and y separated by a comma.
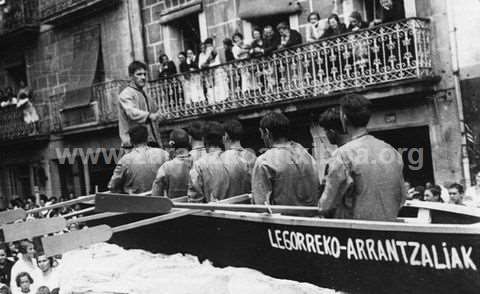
<point>76,63</point>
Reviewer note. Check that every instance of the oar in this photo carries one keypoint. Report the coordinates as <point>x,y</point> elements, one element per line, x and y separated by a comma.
<point>10,216</point>
<point>55,245</point>
<point>29,229</point>
<point>136,204</point>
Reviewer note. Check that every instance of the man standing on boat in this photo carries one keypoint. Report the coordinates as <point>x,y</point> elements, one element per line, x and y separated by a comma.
<point>286,174</point>
<point>172,177</point>
<point>238,161</point>
<point>209,179</point>
<point>365,179</point>
<point>136,170</point>
<point>137,108</point>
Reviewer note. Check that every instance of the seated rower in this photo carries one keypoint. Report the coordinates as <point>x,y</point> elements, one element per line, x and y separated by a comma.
<point>136,170</point>
<point>365,174</point>
<point>233,134</point>
<point>172,177</point>
<point>237,160</point>
<point>286,174</point>
<point>209,179</point>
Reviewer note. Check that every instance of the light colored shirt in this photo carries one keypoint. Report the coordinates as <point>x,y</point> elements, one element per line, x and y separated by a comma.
<point>172,177</point>
<point>238,171</point>
<point>136,170</point>
<point>49,279</point>
<point>286,174</point>
<point>198,150</point>
<point>134,108</point>
<point>364,181</point>
<point>315,32</point>
<point>246,154</point>
<point>472,196</point>
<point>239,52</point>
<point>209,179</point>
<point>20,266</point>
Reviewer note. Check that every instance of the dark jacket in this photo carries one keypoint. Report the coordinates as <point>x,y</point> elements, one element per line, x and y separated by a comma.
<point>270,45</point>
<point>167,69</point>
<point>294,39</point>
<point>363,25</point>
<point>229,55</point>
<point>330,32</point>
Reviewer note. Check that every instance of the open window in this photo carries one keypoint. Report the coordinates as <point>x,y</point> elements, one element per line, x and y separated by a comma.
<point>385,10</point>
<point>187,31</point>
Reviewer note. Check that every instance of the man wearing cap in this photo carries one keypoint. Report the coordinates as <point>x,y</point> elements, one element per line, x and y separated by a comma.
<point>135,107</point>
<point>173,176</point>
<point>136,170</point>
<point>209,179</point>
<point>286,174</point>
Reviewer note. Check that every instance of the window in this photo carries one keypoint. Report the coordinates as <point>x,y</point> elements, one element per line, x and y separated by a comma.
<point>375,10</point>
<point>188,29</point>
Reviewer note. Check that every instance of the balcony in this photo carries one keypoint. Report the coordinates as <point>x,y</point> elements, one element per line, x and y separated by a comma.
<point>102,110</point>
<point>19,21</point>
<point>62,11</point>
<point>389,54</point>
<point>14,128</point>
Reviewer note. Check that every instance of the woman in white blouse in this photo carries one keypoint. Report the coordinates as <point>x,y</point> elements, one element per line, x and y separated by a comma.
<point>315,28</point>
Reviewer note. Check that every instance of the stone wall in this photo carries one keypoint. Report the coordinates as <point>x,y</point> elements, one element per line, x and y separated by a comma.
<point>49,61</point>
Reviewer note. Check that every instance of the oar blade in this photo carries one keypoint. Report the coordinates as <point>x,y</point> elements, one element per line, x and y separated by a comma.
<point>55,245</point>
<point>34,228</point>
<point>132,204</point>
<point>9,216</point>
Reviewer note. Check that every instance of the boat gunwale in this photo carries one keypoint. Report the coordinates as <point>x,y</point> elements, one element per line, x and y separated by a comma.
<point>344,223</point>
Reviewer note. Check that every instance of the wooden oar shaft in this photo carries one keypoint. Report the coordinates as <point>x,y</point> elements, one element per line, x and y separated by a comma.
<point>82,211</point>
<point>62,204</point>
<point>249,208</point>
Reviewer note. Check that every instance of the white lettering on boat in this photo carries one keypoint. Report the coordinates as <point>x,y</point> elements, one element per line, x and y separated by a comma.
<point>412,253</point>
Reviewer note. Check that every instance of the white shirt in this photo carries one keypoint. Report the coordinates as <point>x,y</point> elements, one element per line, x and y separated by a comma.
<point>472,196</point>
<point>23,266</point>
<point>49,279</point>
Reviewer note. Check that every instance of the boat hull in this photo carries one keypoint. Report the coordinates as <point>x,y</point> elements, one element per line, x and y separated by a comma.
<point>366,258</point>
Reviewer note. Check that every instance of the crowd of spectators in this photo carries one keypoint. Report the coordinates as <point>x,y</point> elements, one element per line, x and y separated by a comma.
<point>268,39</point>
<point>215,84</point>
<point>22,269</point>
<point>22,99</point>
<point>454,193</point>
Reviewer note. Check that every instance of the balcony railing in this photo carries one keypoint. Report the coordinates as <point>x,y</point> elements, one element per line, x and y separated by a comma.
<point>383,54</point>
<point>13,126</point>
<point>56,11</point>
<point>17,15</point>
<point>103,108</point>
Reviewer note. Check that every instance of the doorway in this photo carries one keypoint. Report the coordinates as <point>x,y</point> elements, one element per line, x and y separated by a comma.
<point>188,28</point>
<point>414,145</point>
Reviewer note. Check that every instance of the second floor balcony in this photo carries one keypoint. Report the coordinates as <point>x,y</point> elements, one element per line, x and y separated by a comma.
<point>382,55</point>
<point>18,21</point>
<point>15,126</point>
<point>100,112</point>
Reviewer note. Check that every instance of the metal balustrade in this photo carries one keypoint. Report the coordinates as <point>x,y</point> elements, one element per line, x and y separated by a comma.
<point>14,127</point>
<point>387,53</point>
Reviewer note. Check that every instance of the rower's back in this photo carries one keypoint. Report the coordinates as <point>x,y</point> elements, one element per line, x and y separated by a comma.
<point>239,171</point>
<point>136,170</point>
<point>377,190</point>
<point>286,174</point>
